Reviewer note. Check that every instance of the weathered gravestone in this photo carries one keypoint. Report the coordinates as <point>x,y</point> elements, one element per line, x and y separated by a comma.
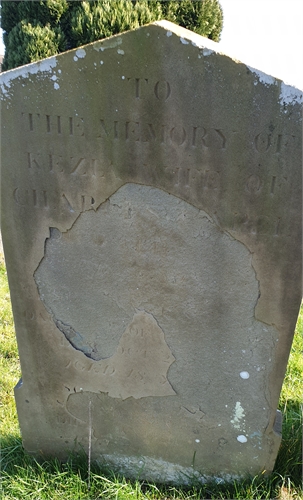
<point>151,219</point>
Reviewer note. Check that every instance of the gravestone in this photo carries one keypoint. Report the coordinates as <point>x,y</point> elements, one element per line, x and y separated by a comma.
<point>151,222</point>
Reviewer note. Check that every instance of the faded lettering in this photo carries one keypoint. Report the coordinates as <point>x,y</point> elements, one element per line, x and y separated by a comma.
<point>162,90</point>
<point>141,86</point>
<point>179,135</point>
<point>262,142</point>
<point>31,197</point>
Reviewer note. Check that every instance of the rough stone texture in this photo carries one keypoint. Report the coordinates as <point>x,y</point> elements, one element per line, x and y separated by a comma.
<point>151,222</point>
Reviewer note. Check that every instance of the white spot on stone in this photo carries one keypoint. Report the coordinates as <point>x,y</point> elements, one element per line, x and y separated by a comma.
<point>120,51</point>
<point>185,42</point>
<point>243,350</point>
<point>197,440</point>
<point>242,439</point>
<point>59,71</point>
<point>75,58</point>
<point>123,77</point>
<point>244,375</point>
<point>238,415</point>
<point>56,86</point>
<point>54,78</point>
<point>80,53</point>
<point>168,33</point>
<point>101,62</point>
<point>207,52</point>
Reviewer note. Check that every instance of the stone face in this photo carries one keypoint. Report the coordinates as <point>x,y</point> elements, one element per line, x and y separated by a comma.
<point>151,223</point>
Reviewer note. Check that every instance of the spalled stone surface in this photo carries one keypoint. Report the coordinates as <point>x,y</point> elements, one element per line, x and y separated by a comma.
<point>151,222</point>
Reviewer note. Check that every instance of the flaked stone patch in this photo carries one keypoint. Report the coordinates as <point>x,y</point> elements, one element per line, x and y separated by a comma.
<point>139,366</point>
<point>147,250</point>
<point>131,278</point>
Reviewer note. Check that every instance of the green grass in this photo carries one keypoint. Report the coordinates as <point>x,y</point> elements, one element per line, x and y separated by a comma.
<point>22,477</point>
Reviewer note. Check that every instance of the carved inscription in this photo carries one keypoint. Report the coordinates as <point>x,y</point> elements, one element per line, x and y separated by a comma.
<point>48,128</point>
<point>31,126</point>
<point>31,197</point>
<point>77,166</point>
<point>124,131</point>
<point>59,124</point>
<point>264,142</point>
<point>39,199</point>
<point>191,177</point>
<point>139,366</point>
<point>81,203</point>
<point>164,134</point>
<point>253,184</point>
<point>33,316</point>
<point>205,181</point>
<point>261,224</point>
<point>141,87</point>
<point>68,420</point>
<point>32,161</point>
<point>194,135</point>
<point>54,124</point>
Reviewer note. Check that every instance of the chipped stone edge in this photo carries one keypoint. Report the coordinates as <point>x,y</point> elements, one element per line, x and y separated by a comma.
<point>289,94</point>
<point>186,37</point>
<point>43,66</point>
<point>262,77</point>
